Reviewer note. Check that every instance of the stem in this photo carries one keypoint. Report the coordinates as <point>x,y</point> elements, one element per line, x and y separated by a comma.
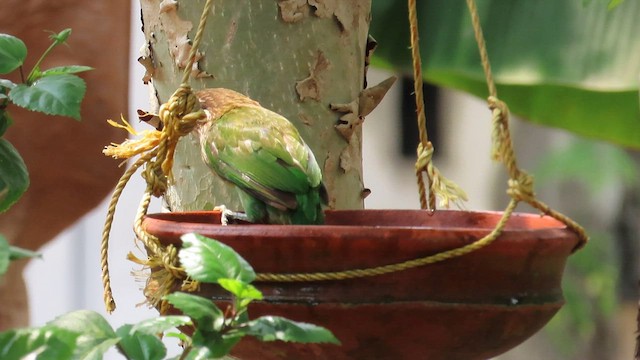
<point>30,79</point>
<point>637,351</point>
<point>185,352</point>
<point>21,74</point>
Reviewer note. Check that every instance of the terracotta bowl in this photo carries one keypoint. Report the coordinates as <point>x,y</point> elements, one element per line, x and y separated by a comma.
<point>472,307</point>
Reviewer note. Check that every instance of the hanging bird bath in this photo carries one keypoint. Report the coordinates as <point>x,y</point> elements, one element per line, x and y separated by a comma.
<point>472,307</point>
<point>390,284</point>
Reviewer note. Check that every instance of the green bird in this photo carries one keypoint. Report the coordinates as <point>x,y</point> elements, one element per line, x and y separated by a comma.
<point>264,156</point>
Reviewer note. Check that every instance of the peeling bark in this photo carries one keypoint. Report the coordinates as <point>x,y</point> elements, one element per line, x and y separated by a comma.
<point>293,10</point>
<point>363,105</point>
<point>339,9</point>
<point>294,57</point>
<point>311,87</point>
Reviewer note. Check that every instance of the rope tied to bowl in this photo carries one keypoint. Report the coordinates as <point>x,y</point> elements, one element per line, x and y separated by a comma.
<point>520,184</point>
<point>179,116</point>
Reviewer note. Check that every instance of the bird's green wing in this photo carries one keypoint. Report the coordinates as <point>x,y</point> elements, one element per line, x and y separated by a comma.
<point>262,153</point>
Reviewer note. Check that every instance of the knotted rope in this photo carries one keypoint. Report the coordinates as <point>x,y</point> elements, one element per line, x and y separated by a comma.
<point>520,184</point>
<point>438,185</point>
<point>179,116</point>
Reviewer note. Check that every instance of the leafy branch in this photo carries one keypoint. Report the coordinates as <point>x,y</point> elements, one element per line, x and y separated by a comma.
<point>55,91</point>
<point>87,335</point>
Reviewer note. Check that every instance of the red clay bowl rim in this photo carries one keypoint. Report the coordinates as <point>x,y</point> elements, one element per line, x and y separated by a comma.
<point>542,222</point>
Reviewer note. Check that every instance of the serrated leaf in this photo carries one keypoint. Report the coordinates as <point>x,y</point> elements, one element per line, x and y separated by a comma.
<point>271,328</point>
<point>240,289</point>
<point>96,335</point>
<point>4,255</point>
<point>204,312</point>
<point>7,83</point>
<point>52,95</point>
<point>14,178</point>
<point>140,346</point>
<point>61,70</point>
<point>208,260</point>
<point>47,342</point>
<point>13,51</point>
<point>161,324</point>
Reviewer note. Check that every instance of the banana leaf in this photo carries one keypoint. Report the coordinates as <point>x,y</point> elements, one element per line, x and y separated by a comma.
<point>571,64</point>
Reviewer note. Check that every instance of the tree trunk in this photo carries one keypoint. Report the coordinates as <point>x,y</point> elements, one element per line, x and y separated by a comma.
<point>295,57</point>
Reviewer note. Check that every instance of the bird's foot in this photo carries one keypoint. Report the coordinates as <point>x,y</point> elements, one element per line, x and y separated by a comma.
<point>227,215</point>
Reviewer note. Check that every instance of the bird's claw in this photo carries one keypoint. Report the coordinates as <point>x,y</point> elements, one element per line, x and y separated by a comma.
<point>226,215</point>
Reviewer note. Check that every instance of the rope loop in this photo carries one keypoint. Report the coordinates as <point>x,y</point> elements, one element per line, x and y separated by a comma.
<point>179,116</point>
<point>521,188</point>
<point>424,157</point>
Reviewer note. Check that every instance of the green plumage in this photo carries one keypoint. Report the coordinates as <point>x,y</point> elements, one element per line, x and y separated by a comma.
<point>262,153</point>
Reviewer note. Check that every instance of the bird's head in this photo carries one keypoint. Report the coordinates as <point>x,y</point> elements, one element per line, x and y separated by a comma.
<point>217,101</point>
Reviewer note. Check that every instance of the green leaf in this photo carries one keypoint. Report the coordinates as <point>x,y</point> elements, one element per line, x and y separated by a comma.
<point>137,345</point>
<point>6,83</point>
<point>243,291</point>
<point>96,335</point>
<point>203,311</point>
<point>213,345</point>
<point>14,178</point>
<point>52,95</point>
<point>4,255</point>
<point>12,53</point>
<point>614,3</point>
<point>61,70</point>
<point>5,119</point>
<point>219,351</point>
<point>199,353</point>
<point>178,335</point>
<point>48,343</point>
<point>559,63</point>
<point>160,324</point>
<point>577,160</point>
<point>208,260</point>
<point>271,328</point>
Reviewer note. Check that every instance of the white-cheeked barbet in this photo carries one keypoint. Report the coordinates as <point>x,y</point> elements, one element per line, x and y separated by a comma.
<point>264,156</point>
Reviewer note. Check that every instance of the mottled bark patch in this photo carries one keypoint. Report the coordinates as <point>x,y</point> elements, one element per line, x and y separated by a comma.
<point>293,10</point>
<point>350,119</point>
<point>311,87</point>
<point>340,9</point>
<point>146,59</point>
<point>177,33</point>
<point>330,167</point>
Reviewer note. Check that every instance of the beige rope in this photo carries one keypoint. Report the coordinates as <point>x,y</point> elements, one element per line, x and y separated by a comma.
<point>109,302</point>
<point>177,110</point>
<point>520,183</point>
<point>438,185</point>
<point>406,265</point>
<point>179,116</point>
<point>421,116</point>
